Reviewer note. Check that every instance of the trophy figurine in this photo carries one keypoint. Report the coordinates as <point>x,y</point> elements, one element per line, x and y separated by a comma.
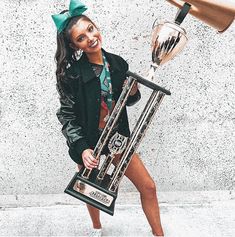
<point>99,187</point>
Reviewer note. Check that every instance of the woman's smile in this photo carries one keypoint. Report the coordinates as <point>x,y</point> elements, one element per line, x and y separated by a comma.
<point>94,44</point>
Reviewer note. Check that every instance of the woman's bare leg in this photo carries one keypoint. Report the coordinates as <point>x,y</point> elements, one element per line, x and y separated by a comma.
<point>94,213</point>
<point>140,177</point>
<point>95,216</point>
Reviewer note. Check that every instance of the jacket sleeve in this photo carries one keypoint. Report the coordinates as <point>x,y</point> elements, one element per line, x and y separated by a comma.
<point>71,129</point>
<point>132,99</point>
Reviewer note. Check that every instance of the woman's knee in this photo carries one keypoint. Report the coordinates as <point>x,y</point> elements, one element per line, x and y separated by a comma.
<point>149,188</point>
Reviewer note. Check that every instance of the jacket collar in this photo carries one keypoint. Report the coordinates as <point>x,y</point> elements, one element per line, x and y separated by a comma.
<point>86,70</point>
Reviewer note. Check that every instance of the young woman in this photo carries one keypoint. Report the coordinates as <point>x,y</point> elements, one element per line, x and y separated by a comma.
<point>89,86</point>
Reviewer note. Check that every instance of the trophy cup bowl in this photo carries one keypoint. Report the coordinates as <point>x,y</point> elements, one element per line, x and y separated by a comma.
<point>168,39</point>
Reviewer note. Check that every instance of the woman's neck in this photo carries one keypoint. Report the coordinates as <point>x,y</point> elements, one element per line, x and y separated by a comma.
<point>95,58</point>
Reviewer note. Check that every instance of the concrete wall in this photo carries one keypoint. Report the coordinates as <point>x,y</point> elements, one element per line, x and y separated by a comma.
<point>190,144</point>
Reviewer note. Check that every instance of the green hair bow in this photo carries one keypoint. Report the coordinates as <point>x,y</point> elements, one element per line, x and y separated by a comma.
<point>76,8</point>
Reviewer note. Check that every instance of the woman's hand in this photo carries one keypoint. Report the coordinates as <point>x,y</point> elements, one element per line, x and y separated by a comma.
<point>134,88</point>
<point>89,161</point>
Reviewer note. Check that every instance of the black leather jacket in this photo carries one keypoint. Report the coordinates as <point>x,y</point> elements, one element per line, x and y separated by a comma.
<point>80,98</point>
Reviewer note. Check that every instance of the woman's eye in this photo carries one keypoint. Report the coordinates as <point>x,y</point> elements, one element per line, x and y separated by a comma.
<point>81,38</point>
<point>91,28</point>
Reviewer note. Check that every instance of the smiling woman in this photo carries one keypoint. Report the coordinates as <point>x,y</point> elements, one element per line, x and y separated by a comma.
<point>71,42</point>
<point>89,87</point>
<point>85,36</point>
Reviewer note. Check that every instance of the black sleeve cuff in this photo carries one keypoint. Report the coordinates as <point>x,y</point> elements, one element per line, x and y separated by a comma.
<point>133,99</point>
<point>80,146</point>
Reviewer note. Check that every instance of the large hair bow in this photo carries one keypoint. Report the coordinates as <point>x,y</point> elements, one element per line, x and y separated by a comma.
<point>76,8</point>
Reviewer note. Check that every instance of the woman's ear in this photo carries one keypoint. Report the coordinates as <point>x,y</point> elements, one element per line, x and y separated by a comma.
<point>71,45</point>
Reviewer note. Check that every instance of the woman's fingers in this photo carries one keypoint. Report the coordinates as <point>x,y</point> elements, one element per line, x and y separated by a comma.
<point>88,159</point>
<point>134,88</point>
<point>90,162</point>
<point>89,166</point>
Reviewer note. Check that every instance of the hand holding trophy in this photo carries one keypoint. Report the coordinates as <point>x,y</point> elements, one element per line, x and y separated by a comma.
<point>168,38</point>
<point>218,14</point>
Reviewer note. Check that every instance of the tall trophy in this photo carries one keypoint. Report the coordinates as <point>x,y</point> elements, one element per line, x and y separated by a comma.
<point>99,187</point>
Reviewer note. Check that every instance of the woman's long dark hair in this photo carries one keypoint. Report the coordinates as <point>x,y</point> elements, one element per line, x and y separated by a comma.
<point>65,56</point>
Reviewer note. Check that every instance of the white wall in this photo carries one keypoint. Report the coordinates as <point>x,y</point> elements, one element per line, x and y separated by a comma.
<point>190,144</point>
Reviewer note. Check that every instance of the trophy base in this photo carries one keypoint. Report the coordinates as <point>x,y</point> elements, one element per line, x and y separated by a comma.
<point>92,191</point>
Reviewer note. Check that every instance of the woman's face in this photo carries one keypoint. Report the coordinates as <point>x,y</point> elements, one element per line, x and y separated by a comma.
<point>85,36</point>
